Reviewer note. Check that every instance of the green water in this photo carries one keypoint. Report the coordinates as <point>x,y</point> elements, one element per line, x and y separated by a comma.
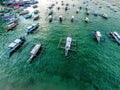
<point>93,67</point>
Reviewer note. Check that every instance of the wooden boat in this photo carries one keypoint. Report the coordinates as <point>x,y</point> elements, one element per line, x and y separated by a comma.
<point>68,45</point>
<point>50,18</point>
<point>32,28</point>
<point>1,14</point>
<point>36,11</point>
<point>19,10</point>
<point>60,18</point>
<point>15,44</point>
<point>24,12</point>
<point>77,11</point>
<point>86,19</point>
<point>50,12</point>
<point>28,16</point>
<point>98,36</point>
<point>96,13</point>
<point>105,16</point>
<point>87,12</point>
<point>36,17</point>
<point>11,25</point>
<point>34,52</point>
<point>115,36</point>
<point>34,6</point>
<point>72,19</point>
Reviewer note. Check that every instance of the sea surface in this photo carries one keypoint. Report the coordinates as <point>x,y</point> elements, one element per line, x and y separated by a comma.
<point>95,66</point>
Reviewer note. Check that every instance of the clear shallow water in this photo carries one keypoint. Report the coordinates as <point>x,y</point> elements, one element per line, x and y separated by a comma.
<point>93,67</point>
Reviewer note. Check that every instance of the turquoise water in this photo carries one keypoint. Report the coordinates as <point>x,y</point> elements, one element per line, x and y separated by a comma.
<point>93,67</point>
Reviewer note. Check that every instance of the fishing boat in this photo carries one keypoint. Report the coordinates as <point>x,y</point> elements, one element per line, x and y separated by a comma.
<point>72,19</point>
<point>18,10</point>
<point>34,52</point>
<point>86,19</point>
<point>96,13</point>
<point>60,18</point>
<point>105,16</point>
<point>32,28</point>
<point>77,11</point>
<point>36,17</point>
<point>68,45</point>
<point>1,14</point>
<point>50,12</point>
<point>87,12</point>
<point>11,25</point>
<point>98,36</point>
<point>15,44</point>
<point>50,18</point>
<point>28,16</point>
<point>36,11</point>
<point>115,36</point>
<point>34,6</point>
<point>24,12</point>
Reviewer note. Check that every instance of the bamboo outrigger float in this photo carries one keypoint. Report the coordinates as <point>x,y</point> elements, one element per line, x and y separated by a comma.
<point>68,44</point>
<point>34,52</point>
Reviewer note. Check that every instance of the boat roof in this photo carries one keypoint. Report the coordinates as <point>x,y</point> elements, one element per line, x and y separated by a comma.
<point>17,41</point>
<point>12,44</point>
<point>29,27</point>
<point>37,46</point>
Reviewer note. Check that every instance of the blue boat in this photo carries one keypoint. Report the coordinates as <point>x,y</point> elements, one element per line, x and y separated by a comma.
<point>15,45</point>
<point>28,16</point>
<point>32,28</point>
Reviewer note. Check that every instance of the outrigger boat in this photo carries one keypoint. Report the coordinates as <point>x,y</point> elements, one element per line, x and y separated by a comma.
<point>68,45</point>
<point>32,28</point>
<point>60,18</point>
<point>72,19</point>
<point>115,36</point>
<point>24,12</point>
<point>50,18</point>
<point>36,17</point>
<point>34,6</point>
<point>34,52</point>
<point>105,16</point>
<point>98,36</point>
<point>15,44</point>
<point>96,13</point>
<point>28,16</point>
<point>36,11</point>
<point>86,19</point>
<point>12,25</point>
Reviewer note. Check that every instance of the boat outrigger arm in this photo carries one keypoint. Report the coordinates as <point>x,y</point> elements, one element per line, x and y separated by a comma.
<point>68,45</point>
